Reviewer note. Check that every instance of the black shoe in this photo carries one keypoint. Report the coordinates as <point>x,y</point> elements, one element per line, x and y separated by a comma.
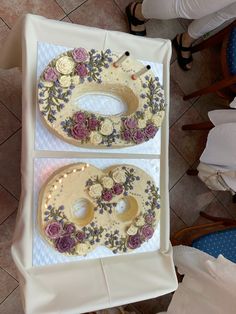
<point>182,61</point>
<point>133,21</point>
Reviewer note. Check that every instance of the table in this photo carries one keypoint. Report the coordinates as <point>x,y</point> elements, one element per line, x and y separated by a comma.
<point>82,286</point>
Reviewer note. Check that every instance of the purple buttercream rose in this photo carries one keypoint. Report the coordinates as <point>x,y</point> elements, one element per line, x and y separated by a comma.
<point>134,241</point>
<point>149,218</point>
<point>130,123</point>
<point>53,230</point>
<point>79,132</point>
<point>65,244</point>
<point>69,228</point>
<point>107,195</point>
<point>138,136</point>
<point>80,236</point>
<point>80,54</point>
<point>147,231</point>
<point>150,130</point>
<point>50,74</point>
<point>127,135</point>
<point>117,189</point>
<point>81,70</point>
<point>92,124</point>
<point>79,117</point>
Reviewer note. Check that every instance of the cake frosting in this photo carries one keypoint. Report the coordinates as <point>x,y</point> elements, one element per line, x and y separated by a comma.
<point>78,72</point>
<point>82,207</point>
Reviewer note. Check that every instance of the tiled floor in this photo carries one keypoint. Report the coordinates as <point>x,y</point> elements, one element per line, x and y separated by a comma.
<point>188,195</point>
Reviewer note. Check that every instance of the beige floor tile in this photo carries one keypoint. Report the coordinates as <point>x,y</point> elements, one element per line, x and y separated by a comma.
<point>7,284</point>
<point>205,70</point>
<point>4,31</point>
<point>103,14</point>
<point>6,234</point>
<point>214,209</point>
<point>163,28</point>
<point>123,3</point>
<point>153,306</point>
<point>12,305</point>
<point>8,204</point>
<point>177,166</point>
<point>189,143</point>
<point>10,90</point>
<point>8,123</point>
<point>176,223</point>
<point>188,197</point>
<point>210,102</point>
<point>225,198</point>
<point>66,19</point>
<point>10,153</point>
<point>69,5</point>
<point>10,10</point>
<point>177,105</point>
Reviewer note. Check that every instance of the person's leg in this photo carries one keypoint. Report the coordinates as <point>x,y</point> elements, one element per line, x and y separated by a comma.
<point>210,22</point>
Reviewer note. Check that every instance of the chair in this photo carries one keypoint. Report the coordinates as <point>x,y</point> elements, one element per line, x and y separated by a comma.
<point>218,237</point>
<point>226,87</point>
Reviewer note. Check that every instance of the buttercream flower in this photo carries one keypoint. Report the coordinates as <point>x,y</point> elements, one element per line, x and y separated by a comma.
<point>107,182</point>
<point>119,176</point>
<point>157,118</point>
<point>149,218</point>
<point>79,117</point>
<point>134,241</point>
<point>127,135</point>
<point>53,230</point>
<point>107,195</point>
<point>95,190</point>
<point>48,84</point>
<point>117,189</point>
<point>147,231</point>
<point>132,230</point>
<point>81,70</point>
<point>65,65</point>
<point>79,132</point>
<point>147,114</point>
<point>138,136</point>
<point>80,236</point>
<point>80,54</point>
<point>65,244</point>
<point>82,248</point>
<point>130,123</point>
<point>106,127</point>
<point>150,130</point>
<point>142,123</point>
<point>75,79</point>
<point>65,81</point>
<point>50,74</point>
<point>95,138</point>
<point>69,228</point>
<point>140,221</point>
<point>92,124</point>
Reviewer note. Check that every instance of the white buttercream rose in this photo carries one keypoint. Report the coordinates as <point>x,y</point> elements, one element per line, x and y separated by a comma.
<point>95,190</point>
<point>76,79</point>
<point>140,221</point>
<point>157,118</point>
<point>65,65</point>
<point>142,123</point>
<point>65,81</point>
<point>95,138</point>
<point>147,114</point>
<point>132,230</point>
<point>82,248</point>
<point>48,84</point>
<point>119,176</point>
<point>106,127</point>
<point>107,182</point>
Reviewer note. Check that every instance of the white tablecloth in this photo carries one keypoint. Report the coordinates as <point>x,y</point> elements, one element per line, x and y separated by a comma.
<point>82,286</point>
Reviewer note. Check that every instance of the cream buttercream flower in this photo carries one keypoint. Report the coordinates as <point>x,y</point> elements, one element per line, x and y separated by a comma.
<point>76,79</point>
<point>157,118</point>
<point>107,182</point>
<point>119,176</point>
<point>82,248</point>
<point>65,80</point>
<point>48,84</point>
<point>95,190</point>
<point>147,114</point>
<point>95,138</point>
<point>65,65</point>
<point>106,127</point>
<point>142,123</point>
<point>132,230</point>
<point>140,221</point>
